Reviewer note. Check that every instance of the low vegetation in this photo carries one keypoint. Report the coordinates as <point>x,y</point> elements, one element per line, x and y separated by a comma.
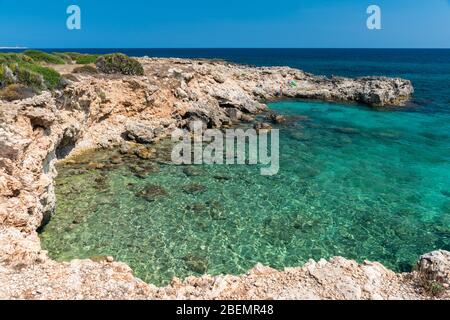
<point>39,56</point>
<point>80,58</point>
<point>17,68</point>
<point>119,63</point>
<point>64,56</point>
<point>30,72</point>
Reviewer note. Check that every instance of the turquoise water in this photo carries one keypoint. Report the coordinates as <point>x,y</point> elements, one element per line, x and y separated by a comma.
<point>354,182</point>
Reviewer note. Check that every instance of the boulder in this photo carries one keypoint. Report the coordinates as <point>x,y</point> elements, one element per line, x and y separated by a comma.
<point>141,133</point>
<point>435,266</point>
<point>274,118</point>
<point>262,126</point>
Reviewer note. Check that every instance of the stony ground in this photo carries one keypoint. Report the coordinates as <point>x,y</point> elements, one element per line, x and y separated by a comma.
<point>99,111</point>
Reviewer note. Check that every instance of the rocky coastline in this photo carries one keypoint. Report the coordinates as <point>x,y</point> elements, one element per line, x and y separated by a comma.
<point>92,111</point>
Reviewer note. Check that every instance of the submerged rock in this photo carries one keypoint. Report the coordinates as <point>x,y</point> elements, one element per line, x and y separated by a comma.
<point>221,177</point>
<point>197,207</point>
<point>275,118</point>
<point>262,126</point>
<point>445,193</point>
<point>96,165</point>
<point>144,153</point>
<point>346,130</point>
<point>196,263</point>
<point>152,192</point>
<point>116,160</point>
<point>194,188</point>
<point>192,171</point>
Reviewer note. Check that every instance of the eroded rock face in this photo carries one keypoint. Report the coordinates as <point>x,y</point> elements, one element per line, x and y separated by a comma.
<point>435,266</point>
<point>96,111</point>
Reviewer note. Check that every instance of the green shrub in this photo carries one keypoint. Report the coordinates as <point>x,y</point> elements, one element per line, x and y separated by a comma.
<point>81,58</point>
<point>73,55</point>
<point>51,77</point>
<point>6,76</point>
<point>85,69</point>
<point>119,63</point>
<point>40,56</point>
<point>6,58</point>
<point>22,69</point>
<point>35,76</point>
<point>16,92</point>
<point>65,57</point>
<point>87,58</point>
<point>433,287</point>
<point>28,77</point>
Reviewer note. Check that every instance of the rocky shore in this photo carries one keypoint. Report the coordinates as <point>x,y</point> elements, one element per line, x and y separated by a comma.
<point>93,110</point>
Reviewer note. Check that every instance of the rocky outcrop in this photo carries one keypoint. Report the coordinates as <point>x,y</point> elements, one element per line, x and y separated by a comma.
<point>435,266</point>
<point>100,111</point>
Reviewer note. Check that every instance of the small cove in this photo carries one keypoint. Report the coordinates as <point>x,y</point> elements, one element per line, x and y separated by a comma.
<point>354,182</point>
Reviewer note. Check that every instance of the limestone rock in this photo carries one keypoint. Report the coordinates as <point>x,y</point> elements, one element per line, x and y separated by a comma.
<point>140,133</point>
<point>435,266</point>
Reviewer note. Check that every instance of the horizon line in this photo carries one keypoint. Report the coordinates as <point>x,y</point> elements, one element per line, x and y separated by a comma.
<point>225,48</point>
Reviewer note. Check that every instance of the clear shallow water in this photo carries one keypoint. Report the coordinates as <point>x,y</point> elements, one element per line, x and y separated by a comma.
<point>353,181</point>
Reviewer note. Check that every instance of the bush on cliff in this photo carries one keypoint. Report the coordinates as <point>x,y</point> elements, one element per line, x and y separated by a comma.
<point>81,58</point>
<point>22,69</point>
<point>119,63</point>
<point>86,59</point>
<point>64,56</point>
<point>40,56</point>
<point>16,92</point>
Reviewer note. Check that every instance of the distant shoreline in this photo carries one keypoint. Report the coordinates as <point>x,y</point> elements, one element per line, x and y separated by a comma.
<point>13,48</point>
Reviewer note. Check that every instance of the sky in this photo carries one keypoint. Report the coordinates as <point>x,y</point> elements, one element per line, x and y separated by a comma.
<point>225,24</point>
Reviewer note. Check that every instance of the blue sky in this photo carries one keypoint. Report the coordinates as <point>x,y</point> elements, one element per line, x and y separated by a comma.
<point>230,23</point>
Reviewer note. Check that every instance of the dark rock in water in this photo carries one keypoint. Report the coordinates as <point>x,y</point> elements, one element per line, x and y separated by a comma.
<point>246,118</point>
<point>77,220</point>
<point>100,182</point>
<point>194,188</point>
<point>196,263</point>
<point>346,130</point>
<point>95,165</point>
<point>262,126</point>
<point>446,207</point>
<point>152,192</point>
<point>144,153</point>
<point>275,118</point>
<point>216,210</point>
<point>197,207</point>
<point>234,114</point>
<point>192,171</point>
<point>116,160</point>
<point>138,171</point>
<point>144,172</point>
<point>152,167</point>
<point>214,204</point>
<point>299,136</point>
<point>221,177</point>
<point>445,193</point>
